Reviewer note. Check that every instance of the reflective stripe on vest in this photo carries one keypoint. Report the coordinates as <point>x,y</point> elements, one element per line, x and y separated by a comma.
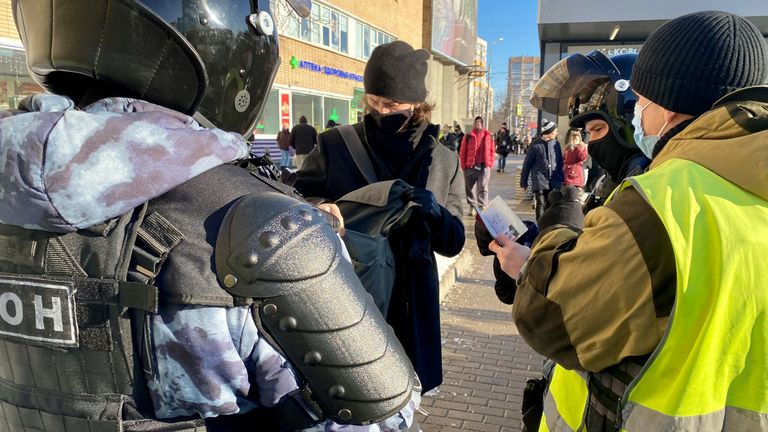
<point>709,373</point>
<point>566,400</point>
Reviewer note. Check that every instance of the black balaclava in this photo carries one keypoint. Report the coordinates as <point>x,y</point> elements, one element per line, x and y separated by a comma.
<point>612,156</point>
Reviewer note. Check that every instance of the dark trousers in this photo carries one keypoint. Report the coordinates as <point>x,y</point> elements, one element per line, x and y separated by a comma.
<point>542,201</point>
<point>502,162</point>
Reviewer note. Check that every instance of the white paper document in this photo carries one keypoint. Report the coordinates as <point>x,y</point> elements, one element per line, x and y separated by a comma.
<point>500,219</point>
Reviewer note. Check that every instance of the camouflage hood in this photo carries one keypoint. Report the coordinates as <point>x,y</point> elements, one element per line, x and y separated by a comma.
<point>64,169</point>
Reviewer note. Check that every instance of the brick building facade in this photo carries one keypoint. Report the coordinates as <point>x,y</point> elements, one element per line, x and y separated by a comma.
<point>324,57</point>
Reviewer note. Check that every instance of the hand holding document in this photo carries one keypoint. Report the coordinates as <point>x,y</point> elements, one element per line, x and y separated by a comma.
<point>500,219</point>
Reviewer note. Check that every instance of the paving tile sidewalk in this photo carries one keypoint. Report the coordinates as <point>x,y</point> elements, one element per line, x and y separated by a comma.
<point>486,362</point>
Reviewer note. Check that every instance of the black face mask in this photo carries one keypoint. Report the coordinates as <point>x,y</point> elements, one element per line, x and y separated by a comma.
<point>611,155</point>
<point>392,122</point>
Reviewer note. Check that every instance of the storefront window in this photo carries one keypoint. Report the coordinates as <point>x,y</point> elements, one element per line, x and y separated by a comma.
<point>336,110</point>
<point>269,122</point>
<point>310,106</point>
<point>15,83</point>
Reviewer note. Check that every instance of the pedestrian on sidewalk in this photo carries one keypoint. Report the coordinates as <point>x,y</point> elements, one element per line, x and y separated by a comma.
<point>459,137</point>
<point>544,164</point>
<point>517,145</point>
<point>655,304</point>
<point>503,146</point>
<point>284,144</point>
<point>396,132</point>
<point>476,158</point>
<point>573,161</point>
<point>449,138</point>
<point>304,140</point>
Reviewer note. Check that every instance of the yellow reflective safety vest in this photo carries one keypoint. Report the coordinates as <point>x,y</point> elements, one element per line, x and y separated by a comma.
<point>710,371</point>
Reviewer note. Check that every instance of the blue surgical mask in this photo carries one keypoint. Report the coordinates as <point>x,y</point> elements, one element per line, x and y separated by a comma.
<point>645,143</point>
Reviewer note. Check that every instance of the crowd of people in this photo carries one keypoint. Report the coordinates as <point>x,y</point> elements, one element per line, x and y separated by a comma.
<point>153,279</point>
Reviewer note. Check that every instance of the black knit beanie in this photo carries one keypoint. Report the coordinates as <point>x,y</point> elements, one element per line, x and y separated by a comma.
<point>396,71</point>
<point>692,61</point>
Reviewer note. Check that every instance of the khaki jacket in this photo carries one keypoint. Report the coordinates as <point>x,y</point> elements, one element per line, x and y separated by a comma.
<point>590,299</point>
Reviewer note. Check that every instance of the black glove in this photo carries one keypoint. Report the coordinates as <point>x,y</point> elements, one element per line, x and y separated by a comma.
<point>564,209</point>
<point>505,286</point>
<point>483,237</point>
<point>428,206</point>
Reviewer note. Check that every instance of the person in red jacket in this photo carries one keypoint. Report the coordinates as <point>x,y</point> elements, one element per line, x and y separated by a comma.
<point>573,163</point>
<point>476,157</point>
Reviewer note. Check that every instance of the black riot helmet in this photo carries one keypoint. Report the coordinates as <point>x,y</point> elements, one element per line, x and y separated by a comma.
<point>214,59</point>
<point>585,87</point>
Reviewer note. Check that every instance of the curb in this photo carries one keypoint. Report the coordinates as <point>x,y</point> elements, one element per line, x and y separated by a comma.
<point>448,280</point>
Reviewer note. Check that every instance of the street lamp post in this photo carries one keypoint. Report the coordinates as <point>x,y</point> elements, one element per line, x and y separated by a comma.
<point>488,80</point>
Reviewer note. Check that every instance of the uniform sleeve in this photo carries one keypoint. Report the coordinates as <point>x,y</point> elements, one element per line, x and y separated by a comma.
<point>588,300</point>
<point>311,179</point>
<point>208,358</point>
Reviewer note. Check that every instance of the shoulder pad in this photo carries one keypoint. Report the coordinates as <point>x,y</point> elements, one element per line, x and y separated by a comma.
<point>268,237</point>
<point>284,253</point>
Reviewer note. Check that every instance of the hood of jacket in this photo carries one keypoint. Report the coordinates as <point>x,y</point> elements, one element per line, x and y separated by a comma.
<point>730,140</point>
<point>65,169</point>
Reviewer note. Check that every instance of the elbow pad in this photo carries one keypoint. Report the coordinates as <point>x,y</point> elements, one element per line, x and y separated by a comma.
<point>283,254</point>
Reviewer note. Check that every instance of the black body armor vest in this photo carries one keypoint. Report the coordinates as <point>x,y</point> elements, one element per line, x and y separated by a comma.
<point>75,343</point>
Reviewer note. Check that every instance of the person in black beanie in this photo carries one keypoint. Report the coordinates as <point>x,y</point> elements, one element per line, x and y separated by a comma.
<point>667,331</point>
<point>397,137</point>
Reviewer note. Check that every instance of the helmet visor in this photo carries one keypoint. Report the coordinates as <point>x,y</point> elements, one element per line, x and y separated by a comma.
<point>240,61</point>
<point>574,77</point>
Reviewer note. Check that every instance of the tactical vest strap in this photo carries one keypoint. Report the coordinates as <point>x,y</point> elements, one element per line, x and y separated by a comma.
<point>155,238</point>
<point>292,412</point>
<point>111,292</point>
<point>159,234</point>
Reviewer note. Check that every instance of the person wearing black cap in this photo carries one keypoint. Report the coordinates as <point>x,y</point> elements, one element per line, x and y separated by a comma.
<point>667,331</point>
<point>544,164</point>
<point>399,142</point>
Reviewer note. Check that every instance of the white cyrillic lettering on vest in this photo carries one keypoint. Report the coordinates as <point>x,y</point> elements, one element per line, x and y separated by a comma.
<point>18,315</point>
<point>53,313</point>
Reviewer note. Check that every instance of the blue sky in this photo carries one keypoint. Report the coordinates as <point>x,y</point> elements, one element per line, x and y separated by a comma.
<point>515,21</point>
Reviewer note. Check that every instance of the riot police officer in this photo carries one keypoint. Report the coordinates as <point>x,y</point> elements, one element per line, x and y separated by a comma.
<point>148,283</point>
<point>594,91</point>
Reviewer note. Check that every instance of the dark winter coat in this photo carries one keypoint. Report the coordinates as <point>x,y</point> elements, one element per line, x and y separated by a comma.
<point>303,138</point>
<point>544,164</point>
<point>450,140</point>
<point>503,142</point>
<point>414,312</point>
<point>284,139</point>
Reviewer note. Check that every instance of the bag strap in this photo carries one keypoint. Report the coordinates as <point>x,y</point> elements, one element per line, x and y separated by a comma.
<point>359,155</point>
